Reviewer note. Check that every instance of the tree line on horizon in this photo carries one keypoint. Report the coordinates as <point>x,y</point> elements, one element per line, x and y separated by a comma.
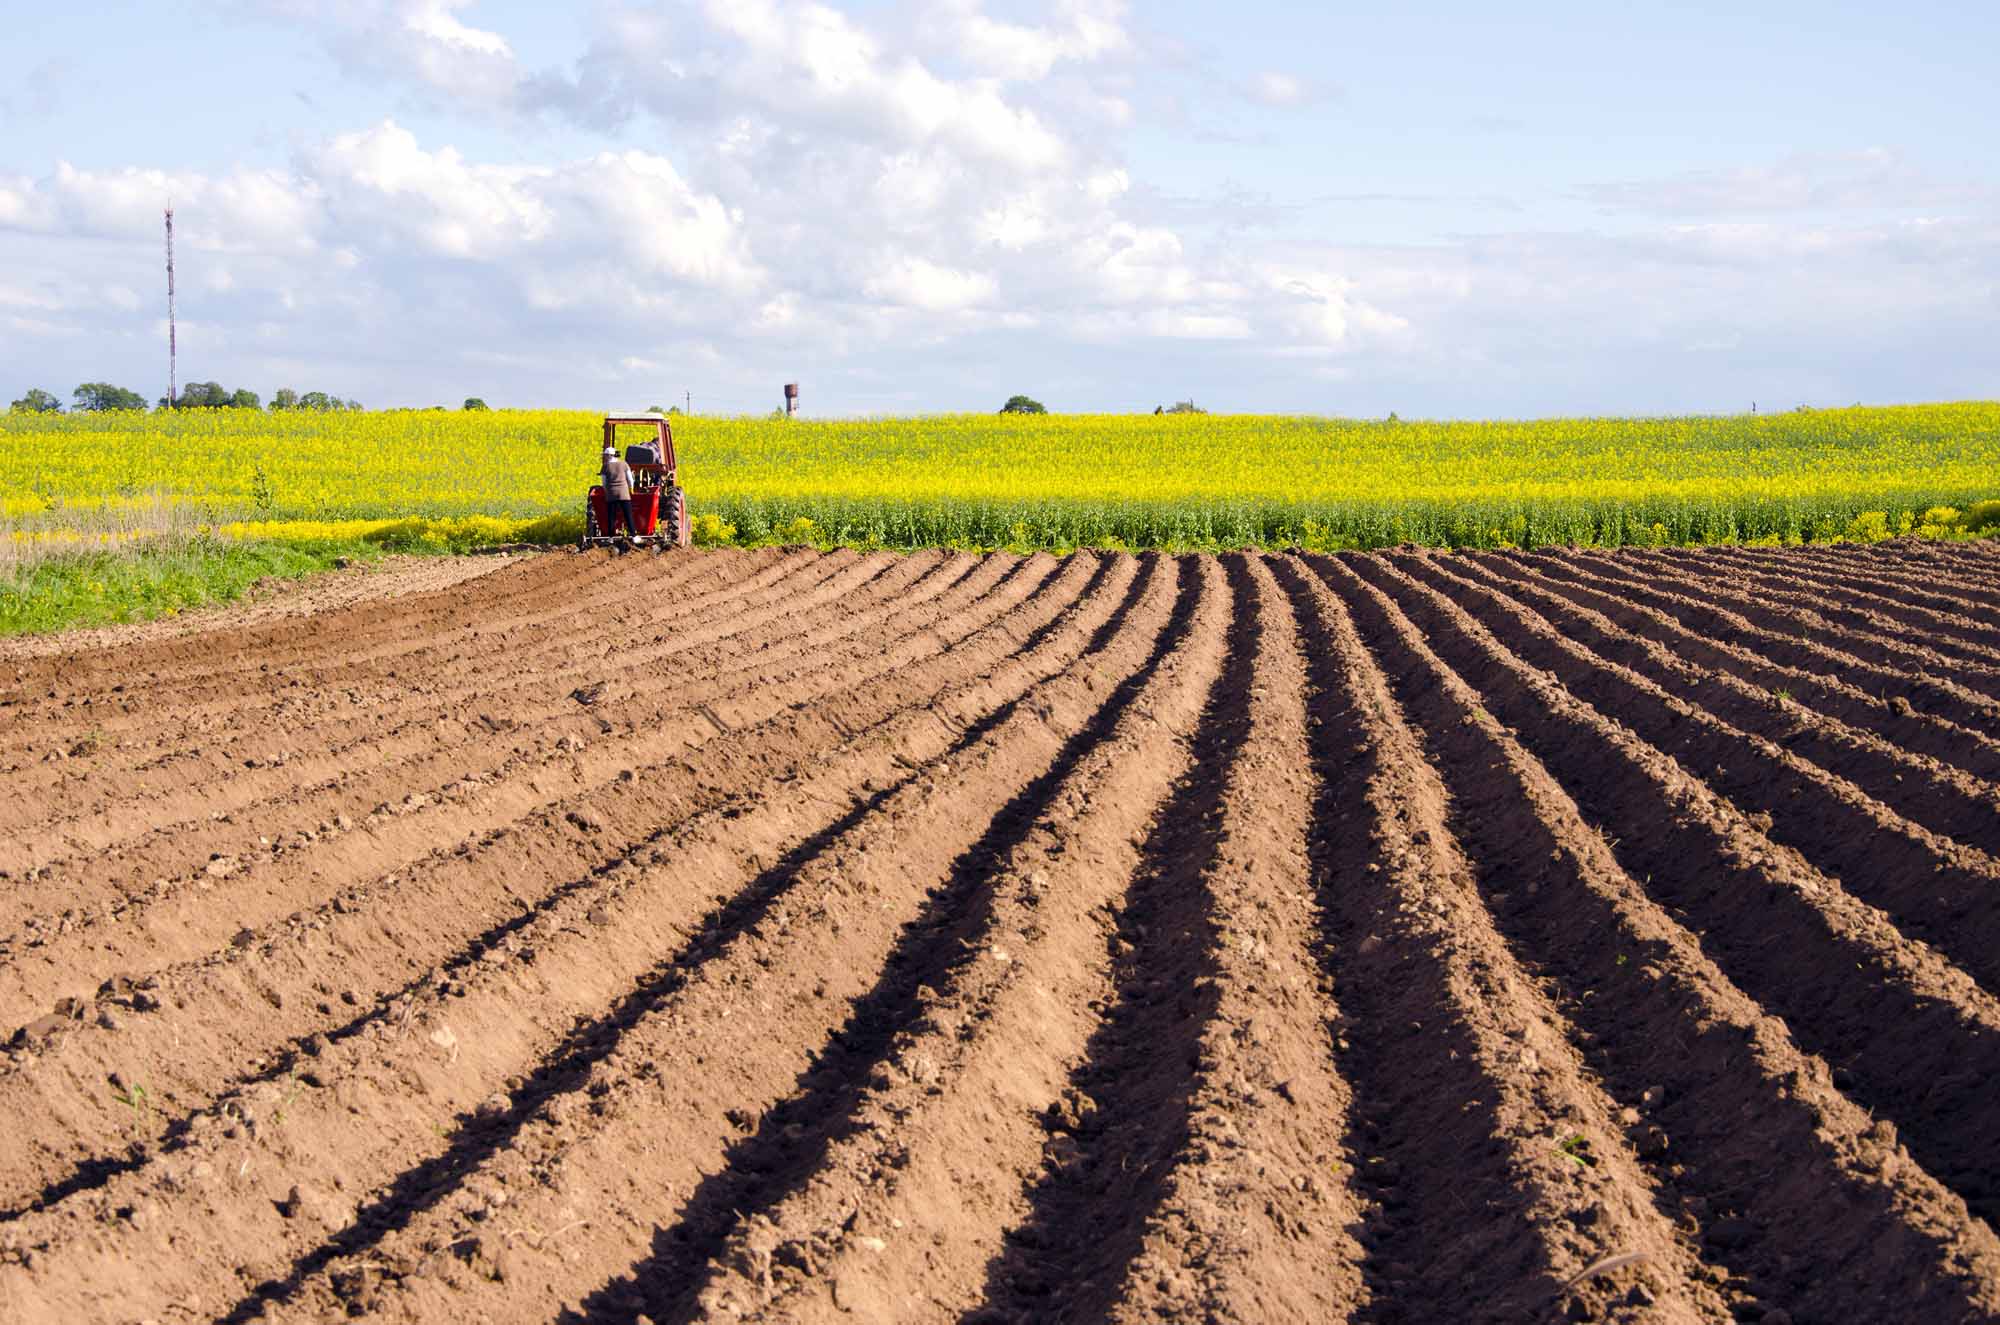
<point>94,397</point>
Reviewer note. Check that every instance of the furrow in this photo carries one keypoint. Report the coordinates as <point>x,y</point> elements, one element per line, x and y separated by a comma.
<point>292,792</point>
<point>1497,1179</point>
<point>1932,597</point>
<point>1915,564</point>
<point>1920,734</point>
<point>1254,1216</point>
<point>371,1100</point>
<point>1790,1198</point>
<point>296,601</point>
<point>166,748</point>
<point>219,649</point>
<point>1923,790</point>
<point>178,915</point>
<point>193,757</point>
<point>1865,634</point>
<point>1977,561</point>
<point>1933,888</point>
<point>858,1193</point>
<point>1923,692</point>
<point>622,1140</point>
<point>526,597</point>
<point>280,985</point>
<point>1859,600</point>
<point>139,686</point>
<point>1910,1036</point>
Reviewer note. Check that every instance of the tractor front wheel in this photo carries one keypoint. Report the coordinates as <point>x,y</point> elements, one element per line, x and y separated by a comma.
<point>590,526</point>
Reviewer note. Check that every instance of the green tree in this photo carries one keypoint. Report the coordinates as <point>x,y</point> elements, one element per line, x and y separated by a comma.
<point>355,405</point>
<point>37,401</point>
<point>284,398</point>
<point>244,398</point>
<point>96,396</point>
<point>1022,405</point>
<point>204,395</point>
<point>317,400</point>
<point>474,402</point>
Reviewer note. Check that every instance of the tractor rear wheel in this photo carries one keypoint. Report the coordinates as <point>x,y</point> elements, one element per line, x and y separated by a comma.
<point>675,517</point>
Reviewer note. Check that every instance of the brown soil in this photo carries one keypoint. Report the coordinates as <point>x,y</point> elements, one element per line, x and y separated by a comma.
<point>802,936</point>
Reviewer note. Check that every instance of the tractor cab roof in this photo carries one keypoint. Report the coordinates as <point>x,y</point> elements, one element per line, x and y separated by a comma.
<point>661,428</point>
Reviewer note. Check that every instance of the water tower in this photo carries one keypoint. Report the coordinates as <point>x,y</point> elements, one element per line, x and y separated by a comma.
<point>791,399</point>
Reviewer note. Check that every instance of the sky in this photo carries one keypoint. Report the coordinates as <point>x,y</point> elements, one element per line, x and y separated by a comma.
<point>1440,210</point>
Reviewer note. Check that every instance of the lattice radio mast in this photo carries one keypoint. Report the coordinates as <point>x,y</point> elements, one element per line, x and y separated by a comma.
<point>171,383</point>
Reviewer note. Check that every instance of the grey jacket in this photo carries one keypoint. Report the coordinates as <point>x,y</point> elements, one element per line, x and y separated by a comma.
<point>617,479</point>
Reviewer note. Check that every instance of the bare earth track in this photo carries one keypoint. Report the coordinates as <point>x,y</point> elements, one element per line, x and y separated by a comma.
<point>797,936</point>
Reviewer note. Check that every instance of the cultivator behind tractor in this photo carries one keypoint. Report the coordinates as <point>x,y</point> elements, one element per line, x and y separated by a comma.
<point>659,506</point>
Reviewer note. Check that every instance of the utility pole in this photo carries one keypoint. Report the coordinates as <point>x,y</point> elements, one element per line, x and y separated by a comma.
<point>690,401</point>
<point>172,385</point>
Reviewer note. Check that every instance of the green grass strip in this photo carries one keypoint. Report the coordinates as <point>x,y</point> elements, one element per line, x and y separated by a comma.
<point>153,579</point>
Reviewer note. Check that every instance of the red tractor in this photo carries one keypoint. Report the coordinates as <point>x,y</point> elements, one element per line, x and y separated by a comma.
<point>659,506</point>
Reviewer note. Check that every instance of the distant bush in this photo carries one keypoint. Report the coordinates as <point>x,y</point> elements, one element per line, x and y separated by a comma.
<point>1869,527</point>
<point>709,530</point>
<point>799,530</point>
<point>1981,517</point>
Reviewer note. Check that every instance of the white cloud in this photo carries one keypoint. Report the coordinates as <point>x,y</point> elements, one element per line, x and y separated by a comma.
<point>1080,32</point>
<point>1320,309</point>
<point>915,283</point>
<point>629,208</point>
<point>792,179</point>
<point>423,42</point>
<point>245,211</point>
<point>434,21</point>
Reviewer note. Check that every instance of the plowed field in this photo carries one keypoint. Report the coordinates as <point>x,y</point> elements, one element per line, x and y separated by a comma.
<point>808,936</point>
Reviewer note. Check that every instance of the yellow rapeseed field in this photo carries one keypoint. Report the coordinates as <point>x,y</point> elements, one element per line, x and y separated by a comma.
<point>1054,480</point>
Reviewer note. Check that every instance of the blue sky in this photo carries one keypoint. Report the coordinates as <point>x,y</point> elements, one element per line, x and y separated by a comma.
<point>913,205</point>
